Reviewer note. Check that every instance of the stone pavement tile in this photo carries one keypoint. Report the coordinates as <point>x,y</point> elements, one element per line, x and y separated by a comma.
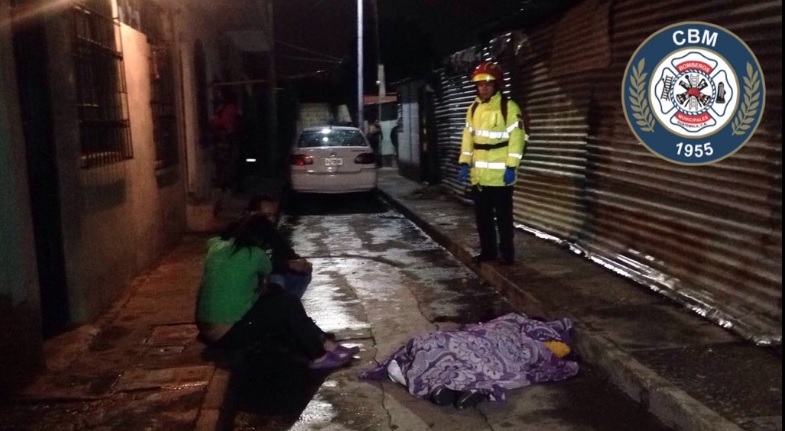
<point>138,367</point>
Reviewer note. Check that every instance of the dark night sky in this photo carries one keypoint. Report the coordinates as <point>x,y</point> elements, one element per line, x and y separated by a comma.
<point>317,39</point>
<point>314,34</point>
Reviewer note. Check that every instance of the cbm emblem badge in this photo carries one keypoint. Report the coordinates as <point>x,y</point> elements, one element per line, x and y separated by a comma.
<point>693,93</point>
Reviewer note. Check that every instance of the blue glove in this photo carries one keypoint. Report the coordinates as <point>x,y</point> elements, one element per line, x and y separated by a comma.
<point>463,173</point>
<point>509,176</point>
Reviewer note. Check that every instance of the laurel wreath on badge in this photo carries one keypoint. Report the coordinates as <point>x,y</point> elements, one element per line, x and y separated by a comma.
<point>746,115</point>
<point>639,103</point>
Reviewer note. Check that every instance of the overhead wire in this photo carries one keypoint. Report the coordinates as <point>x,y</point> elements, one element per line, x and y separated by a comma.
<point>293,57</point>
<point>306,50</point>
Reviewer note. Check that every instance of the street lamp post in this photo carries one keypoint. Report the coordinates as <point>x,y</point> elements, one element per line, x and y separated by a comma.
<point>272,89</point>
<point>360,64</point>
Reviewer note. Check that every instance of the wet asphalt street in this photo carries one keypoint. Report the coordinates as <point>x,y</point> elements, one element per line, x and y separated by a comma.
<point>378,281</point>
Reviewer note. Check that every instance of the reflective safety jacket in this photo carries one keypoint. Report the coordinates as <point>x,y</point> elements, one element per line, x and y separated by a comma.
<point>491,143</point>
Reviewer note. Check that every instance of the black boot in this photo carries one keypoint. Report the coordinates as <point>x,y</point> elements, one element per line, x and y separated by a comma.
<point>506,260</point>
<point>444,396</point>
<point>468,399</point>
<point>477,259</point>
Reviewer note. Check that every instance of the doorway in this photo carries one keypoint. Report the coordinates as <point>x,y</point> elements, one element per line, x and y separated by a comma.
<point>32,74</point>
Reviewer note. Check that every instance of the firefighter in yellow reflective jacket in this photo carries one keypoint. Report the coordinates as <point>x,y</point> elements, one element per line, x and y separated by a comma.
<point>491,150</point>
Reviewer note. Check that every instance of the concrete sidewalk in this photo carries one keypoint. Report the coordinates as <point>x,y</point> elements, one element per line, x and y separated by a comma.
<point>141,367</point>
<point>690,373</point>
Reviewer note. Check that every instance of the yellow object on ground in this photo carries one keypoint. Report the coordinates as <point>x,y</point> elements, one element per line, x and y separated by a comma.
<point>558,348</point>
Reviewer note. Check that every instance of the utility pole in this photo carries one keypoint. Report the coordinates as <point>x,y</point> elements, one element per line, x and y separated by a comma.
<point>379,65</point>
<point>360,64</point>
<point>379,74</point>
<point>272,89</point>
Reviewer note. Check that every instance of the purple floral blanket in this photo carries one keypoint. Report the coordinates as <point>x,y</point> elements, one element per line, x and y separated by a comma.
<point>491,357</point>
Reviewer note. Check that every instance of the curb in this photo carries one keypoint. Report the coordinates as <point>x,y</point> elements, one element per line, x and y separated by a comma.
<point>674,407</point>
<point>671,405</point>
<point>210,411</point>
<point>217,408</point>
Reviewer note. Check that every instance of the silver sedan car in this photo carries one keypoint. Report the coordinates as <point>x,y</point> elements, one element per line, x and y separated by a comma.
<point>332,159</point>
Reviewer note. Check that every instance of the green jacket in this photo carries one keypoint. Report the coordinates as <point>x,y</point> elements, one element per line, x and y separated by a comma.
<point>230,281</point>
<point>483,145</point>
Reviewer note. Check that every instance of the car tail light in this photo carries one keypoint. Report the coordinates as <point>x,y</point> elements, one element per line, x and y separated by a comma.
<point>300,160</point>
<point>365,159</point>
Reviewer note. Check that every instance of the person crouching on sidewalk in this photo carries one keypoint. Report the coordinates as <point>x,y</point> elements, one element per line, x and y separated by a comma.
<point>237,307</point>
<point>292,271</point>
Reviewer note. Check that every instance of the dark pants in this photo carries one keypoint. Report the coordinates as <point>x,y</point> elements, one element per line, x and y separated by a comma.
<point>493,212</point>
<point>377,151</point>
<point>227,153</point>
<point>280,316</point>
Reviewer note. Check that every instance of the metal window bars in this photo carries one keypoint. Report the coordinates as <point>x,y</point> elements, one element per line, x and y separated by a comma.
<point>102,102</point>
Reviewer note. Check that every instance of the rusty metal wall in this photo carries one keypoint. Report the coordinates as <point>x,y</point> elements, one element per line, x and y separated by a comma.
<point>709,236</point>
<point>714,231</point>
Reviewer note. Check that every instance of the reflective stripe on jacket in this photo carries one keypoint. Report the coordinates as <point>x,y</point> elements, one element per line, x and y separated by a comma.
<point>484,129</point>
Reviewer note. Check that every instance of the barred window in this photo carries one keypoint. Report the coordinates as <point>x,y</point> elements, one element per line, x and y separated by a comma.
<point>149,18</point>
<point>162,104</point>
<point>102,100</point>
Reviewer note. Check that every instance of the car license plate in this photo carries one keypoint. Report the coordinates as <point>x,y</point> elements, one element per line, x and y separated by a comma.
<point>333,161</point>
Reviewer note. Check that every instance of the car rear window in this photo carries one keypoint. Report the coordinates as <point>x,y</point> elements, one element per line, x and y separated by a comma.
<point>331,138</point>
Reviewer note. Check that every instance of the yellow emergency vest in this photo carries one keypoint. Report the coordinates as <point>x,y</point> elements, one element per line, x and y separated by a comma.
<point>491,143</point>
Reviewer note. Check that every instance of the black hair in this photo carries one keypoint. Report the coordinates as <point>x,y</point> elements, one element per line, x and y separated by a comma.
<point>251,231</point>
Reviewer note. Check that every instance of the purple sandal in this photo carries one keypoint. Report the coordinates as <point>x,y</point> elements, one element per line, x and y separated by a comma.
<point>334,359</point>
<point>351,351</point>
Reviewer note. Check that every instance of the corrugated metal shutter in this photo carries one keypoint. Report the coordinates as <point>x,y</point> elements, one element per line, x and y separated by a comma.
<point>453,97</point>
<point>707,236</point>
<point>550,195</point>
<point>715,231</point>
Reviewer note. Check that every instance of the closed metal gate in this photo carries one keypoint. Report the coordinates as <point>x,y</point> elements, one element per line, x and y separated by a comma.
<point>454,95</point>
<point>708,236</point>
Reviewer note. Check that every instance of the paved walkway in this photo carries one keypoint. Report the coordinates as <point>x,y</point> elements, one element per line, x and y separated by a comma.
<point>140,366</point>
<point>687,371</point>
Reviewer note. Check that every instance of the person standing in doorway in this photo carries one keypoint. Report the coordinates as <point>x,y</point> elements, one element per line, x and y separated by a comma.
<point>491,151</point>
<point>226,125</point>
<point>394,139</point>
<point>375,137</point>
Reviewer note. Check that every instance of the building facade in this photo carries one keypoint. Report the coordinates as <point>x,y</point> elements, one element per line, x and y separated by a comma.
<point>105,155</point>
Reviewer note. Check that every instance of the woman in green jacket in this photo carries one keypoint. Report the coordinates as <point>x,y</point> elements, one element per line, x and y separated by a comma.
<point>237,307</point>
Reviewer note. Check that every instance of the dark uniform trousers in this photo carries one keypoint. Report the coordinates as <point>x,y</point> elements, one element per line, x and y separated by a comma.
<point>493,211</point>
